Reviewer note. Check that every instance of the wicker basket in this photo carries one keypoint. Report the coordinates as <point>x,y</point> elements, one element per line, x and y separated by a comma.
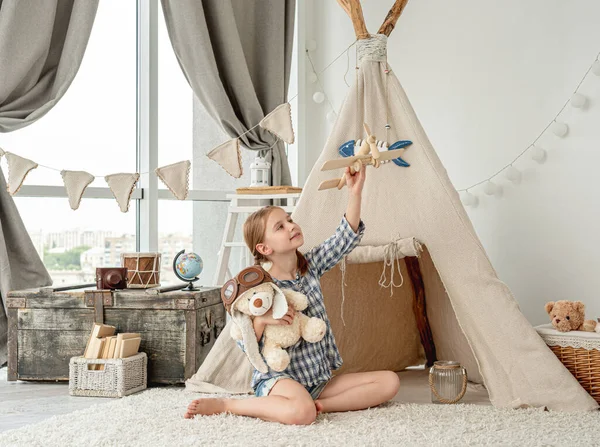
<point>579,352</point>
<point>120,377</point>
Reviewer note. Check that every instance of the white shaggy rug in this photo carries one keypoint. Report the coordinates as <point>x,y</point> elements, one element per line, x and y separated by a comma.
<point>155,418</point>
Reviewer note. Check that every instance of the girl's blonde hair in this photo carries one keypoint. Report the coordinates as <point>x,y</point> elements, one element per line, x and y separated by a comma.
<point>254,233</point>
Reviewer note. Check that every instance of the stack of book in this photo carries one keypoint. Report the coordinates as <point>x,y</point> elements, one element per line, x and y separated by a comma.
<point>104,344</point>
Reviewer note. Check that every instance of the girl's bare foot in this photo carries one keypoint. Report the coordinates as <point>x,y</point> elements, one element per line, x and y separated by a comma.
<point>205,407</point>
<point>319,407</point>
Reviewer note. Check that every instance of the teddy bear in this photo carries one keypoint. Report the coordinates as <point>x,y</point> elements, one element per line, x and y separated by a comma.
<point>569,316</point>
<point>252,293</point>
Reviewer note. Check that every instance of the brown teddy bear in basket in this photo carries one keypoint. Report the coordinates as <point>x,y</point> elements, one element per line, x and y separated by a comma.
<point>569,316</point>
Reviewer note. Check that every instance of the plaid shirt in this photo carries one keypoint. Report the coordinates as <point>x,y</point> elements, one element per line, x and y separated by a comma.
<point>312,363</point>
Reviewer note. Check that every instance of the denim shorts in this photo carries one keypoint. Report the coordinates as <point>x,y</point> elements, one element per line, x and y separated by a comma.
<point>264,387</point>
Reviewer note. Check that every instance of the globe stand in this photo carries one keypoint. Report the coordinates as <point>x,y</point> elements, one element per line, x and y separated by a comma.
<point>190,287</point>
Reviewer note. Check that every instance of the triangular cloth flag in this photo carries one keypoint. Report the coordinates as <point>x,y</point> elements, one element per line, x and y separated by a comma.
<point>75,184</point>
<point>279,122</point>
<point>228,155</point>
<point>18,168</point>
<point>176,177</point>
<point>122,186</point>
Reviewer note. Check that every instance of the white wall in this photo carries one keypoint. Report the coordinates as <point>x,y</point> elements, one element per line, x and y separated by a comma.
<point>485,78</point>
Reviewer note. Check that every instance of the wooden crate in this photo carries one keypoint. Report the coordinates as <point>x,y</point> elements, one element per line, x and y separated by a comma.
<point>46,328</point>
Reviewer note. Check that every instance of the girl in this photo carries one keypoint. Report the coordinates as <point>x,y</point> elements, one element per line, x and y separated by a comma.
<point>305,388</point>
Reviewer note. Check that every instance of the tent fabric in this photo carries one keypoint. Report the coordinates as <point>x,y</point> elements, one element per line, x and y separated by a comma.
<point>226,369</point>
<point>473,315</point>
<point>517,367</point>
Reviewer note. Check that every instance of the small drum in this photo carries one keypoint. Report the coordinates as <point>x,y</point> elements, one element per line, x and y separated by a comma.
<point>143,269</point>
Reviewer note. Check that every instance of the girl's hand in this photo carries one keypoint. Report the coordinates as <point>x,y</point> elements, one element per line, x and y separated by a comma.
<point>355,181</point>
<point>267,318</point>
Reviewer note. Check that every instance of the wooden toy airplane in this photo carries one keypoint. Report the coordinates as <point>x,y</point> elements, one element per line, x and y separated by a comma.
<point>371,152</point>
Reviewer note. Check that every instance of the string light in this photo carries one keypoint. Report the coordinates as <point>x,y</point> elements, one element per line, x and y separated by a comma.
<point>469,199</point>
<point>578,101</point>
<point>558,128</point>
<point>538,154</point>
<point>491,189</point>
<point>513,174</point>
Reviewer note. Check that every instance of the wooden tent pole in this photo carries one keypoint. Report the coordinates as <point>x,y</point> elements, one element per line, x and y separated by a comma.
<point>392,17</point>
<point>354,10</point>
<point>419,308</point>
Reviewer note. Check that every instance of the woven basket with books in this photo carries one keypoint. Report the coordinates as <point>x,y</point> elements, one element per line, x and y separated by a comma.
<point>110,366</point>
<point>117,378</point>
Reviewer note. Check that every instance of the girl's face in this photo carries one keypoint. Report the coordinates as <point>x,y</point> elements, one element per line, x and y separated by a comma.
<point>281,234</point>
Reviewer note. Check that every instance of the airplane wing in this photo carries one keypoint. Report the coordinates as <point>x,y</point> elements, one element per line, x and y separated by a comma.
<point>390,155</point>
<point>344,162</point>
<point>328,184</point>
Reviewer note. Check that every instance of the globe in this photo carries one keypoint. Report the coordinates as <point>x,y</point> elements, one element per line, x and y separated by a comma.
<point>187,267</point>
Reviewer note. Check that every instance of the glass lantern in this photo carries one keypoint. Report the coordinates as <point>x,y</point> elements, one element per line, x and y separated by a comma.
<point>259,172</point>
<point>448,382</point>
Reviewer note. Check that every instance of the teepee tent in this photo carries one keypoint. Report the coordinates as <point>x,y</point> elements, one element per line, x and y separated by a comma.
<point>420,285</point>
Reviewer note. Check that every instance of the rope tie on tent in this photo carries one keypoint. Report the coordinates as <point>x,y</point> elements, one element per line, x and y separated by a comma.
<point>374,48</point>
<point>391,257</point>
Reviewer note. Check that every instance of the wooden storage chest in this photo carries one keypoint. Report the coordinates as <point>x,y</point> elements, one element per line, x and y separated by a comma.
<point>47,327</point>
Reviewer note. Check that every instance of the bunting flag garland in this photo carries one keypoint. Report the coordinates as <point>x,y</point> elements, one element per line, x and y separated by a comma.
<point>122,186</point>
<point>75,184</point>
<point>176,177</point>
<point>229,157</point>
<point>279,122</point>
<point>18,168</point>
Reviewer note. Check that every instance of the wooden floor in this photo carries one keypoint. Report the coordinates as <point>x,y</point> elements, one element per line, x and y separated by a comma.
<point>23,403</point>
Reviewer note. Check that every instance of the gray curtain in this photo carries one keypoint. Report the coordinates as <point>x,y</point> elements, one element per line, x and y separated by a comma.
<point>41,47</point>
<point>236,56</point>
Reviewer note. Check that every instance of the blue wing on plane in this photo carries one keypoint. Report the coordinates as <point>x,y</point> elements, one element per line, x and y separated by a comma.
<point>347,150</point>
<point>399,145</point>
